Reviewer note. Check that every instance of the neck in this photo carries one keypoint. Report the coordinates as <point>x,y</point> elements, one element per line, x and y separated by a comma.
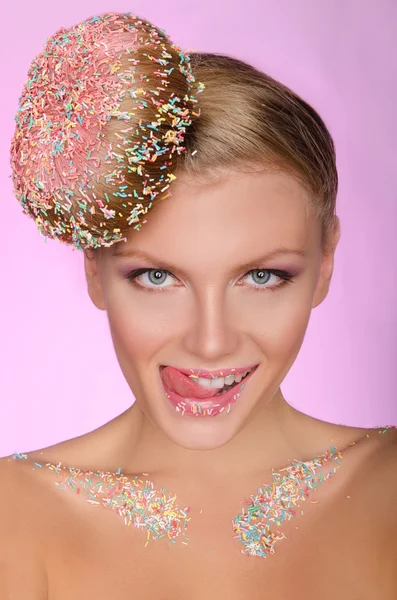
<point>275,437</point>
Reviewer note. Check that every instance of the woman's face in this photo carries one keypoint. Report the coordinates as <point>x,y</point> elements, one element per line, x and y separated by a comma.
<point>235,270</point>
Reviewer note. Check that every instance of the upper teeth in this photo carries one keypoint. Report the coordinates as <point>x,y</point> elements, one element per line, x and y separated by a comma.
<point>219,382</point>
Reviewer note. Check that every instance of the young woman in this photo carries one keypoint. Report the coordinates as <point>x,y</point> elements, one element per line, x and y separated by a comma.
<point>202,193</point>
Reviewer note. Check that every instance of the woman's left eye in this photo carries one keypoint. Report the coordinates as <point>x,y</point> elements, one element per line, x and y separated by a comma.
<point>262,276</point>
<point>157,278</point>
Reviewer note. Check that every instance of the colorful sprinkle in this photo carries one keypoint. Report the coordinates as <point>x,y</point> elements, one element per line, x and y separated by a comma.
<point>65,165</point>
<point>277,503</point>
<point>156,513</point>
<point>132,498</point>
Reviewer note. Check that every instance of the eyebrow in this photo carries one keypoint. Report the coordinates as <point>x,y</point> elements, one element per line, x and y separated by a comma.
<point>161,264</point>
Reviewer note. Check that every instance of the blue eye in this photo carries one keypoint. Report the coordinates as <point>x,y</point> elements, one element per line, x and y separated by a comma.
<point>262,277</point>
<point>155,277</point>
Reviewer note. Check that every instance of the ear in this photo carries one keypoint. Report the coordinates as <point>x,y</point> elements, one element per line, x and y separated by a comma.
<point>327,265</point>
<point>91,264</point>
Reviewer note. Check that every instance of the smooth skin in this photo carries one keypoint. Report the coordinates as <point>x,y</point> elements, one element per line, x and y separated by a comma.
<point>213,304</point>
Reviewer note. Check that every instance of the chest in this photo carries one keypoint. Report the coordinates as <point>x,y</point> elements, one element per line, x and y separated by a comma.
<point>328,551</point>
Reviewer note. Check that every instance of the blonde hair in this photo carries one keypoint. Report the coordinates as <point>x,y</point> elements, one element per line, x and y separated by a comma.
<point>248,119</point>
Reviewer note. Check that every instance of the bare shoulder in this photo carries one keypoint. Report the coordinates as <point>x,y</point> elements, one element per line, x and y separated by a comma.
<point>388,478</point>
<point>379,472</point>
<point>368,516</point>
<point>384,471</point>
<point>378,486</point>
<point>18,491</point>
<point>100,449</point>
<point>381,493</point>
<point>22,568</point>
<point>33,515</point>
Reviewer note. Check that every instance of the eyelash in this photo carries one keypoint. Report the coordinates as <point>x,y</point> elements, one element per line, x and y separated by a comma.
<point>283,275</point>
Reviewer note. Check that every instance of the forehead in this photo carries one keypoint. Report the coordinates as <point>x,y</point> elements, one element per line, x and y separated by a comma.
<point>235,212</point>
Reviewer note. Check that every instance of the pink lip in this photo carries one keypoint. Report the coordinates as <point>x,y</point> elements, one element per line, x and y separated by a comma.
<point>209,407</point>
<point>213,374</point>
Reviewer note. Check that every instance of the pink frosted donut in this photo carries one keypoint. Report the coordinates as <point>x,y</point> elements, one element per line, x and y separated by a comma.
<point>99,125</point>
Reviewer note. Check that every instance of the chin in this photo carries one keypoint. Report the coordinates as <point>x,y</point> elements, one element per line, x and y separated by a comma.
<point>196,435</point>
<point>201,432</point>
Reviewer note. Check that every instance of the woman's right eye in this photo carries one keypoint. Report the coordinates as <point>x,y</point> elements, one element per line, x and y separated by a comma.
<point>151,279</point>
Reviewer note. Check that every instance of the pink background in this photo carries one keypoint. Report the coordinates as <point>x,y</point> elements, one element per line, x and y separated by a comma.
<point>59,375</point>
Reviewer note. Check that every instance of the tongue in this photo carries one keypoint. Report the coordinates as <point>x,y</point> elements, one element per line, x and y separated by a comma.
<point>184,386</point>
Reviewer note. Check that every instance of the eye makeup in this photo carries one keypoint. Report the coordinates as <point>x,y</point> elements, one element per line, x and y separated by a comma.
<point>133,275</point>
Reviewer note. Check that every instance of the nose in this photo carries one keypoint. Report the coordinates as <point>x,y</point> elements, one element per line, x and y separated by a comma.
<point>212,333</point>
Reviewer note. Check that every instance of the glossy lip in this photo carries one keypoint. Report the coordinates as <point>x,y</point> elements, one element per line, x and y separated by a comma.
<point>212,374</point>
<point>209,407</point>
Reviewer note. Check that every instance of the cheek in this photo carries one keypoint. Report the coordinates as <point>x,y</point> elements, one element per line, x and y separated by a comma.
<point>136,324</point>
<point>133,334</point>
<point>280,329</point>
<point>136,340</point>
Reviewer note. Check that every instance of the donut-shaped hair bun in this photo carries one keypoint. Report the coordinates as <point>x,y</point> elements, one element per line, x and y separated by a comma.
<point>100,124</point>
